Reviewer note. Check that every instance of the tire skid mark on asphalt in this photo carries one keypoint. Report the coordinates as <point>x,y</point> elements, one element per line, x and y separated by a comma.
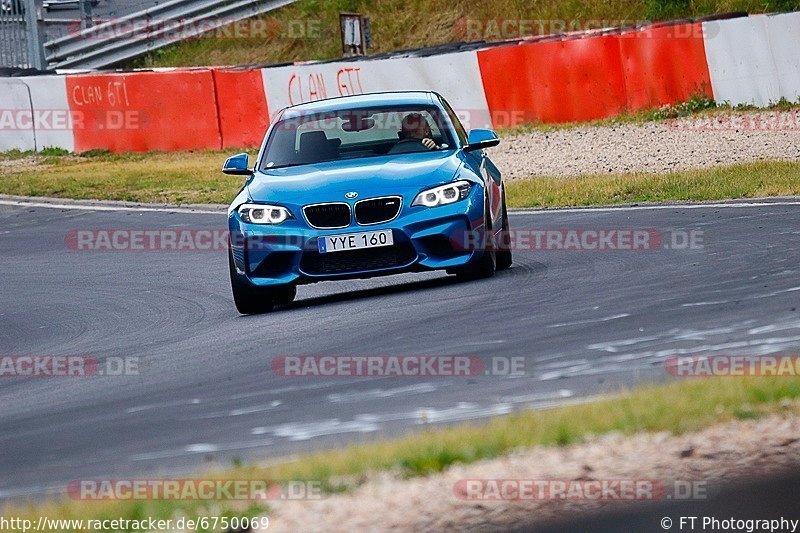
<point>293,388</point>
<point>622,356</point>
<point>369,422</point>
<point>589,321</point>
<point>248,410</point>
<point>201,448</point>
<point>375,394</point>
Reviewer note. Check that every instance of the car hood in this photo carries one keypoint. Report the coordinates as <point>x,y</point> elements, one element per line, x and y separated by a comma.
<point>404,174</point>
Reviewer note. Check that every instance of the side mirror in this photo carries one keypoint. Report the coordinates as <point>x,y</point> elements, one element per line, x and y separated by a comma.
<point>237,165</point>
<point>481,139</point>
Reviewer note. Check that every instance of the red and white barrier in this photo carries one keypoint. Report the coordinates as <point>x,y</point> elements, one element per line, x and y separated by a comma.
<point>750,60</point>
<point>740,62</point>
<point>784,40</point>
<point>16,117</point>
<point>145,111</point>
<point>49,99</point>
<point>456,76</point>
<point>754,60</point>
<point>242,107</point>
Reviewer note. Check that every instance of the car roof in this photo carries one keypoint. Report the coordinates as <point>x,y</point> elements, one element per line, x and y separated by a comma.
<point>362,100</point>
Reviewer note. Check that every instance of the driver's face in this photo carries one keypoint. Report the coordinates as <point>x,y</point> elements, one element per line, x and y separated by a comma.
<point>417,129</point>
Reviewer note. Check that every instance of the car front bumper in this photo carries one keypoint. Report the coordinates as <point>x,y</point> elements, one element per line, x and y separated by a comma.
<point>436,238</point>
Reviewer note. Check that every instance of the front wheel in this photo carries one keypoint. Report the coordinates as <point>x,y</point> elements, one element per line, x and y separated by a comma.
<point>486,265</point>
<point>504,258</point>
<point>251,300</point>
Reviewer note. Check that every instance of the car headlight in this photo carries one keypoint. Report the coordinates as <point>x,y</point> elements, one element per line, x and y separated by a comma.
<point>263,213</point>
<point>444,194</point>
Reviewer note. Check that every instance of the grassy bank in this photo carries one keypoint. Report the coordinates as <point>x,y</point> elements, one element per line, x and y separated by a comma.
<point>174,177</point>
<point>679,407</point>
<point>194,177</point>
<point>740,181</point>
<point>309,30</point>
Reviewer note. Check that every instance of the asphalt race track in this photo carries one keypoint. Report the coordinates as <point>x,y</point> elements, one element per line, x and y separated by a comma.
<point>584,322</point>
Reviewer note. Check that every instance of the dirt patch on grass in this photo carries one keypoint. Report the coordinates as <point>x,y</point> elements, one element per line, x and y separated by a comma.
<point>651,147</point>
<point>725,452</point>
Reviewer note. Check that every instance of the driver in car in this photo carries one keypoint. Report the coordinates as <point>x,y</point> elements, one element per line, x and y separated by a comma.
<point>415,135</point>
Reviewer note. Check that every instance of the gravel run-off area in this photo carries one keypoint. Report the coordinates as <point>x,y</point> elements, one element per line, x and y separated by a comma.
<point>652,147</point>
<point>738,450</point>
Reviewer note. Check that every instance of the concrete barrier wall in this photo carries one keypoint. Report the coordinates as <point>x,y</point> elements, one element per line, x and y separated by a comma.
<point>740,62</point>
<point>455,76</point>
<point>751,60</point>
<point>784,42</point>
<point>49,99</point>
<point>600,76</point>
<point>17,121</point>
<point>145,111</point>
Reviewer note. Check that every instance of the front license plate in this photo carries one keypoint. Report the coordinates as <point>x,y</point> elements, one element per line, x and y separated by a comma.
<point>355,241</point>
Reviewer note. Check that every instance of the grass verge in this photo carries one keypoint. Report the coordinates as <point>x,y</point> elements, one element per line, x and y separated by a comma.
<point>308,29</point>
<point>677,408</point>
<point>160,177</point>
<point>751,180</point>
<point>194,177</point>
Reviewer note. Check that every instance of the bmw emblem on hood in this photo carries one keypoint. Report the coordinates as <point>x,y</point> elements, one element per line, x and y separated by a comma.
<point>351,195</point>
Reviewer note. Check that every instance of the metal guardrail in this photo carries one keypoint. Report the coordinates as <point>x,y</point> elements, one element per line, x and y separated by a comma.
<point>20,34</point>
<point>145,31</point>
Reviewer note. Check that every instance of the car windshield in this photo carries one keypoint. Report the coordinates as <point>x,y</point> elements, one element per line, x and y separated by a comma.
<point>354,134</point>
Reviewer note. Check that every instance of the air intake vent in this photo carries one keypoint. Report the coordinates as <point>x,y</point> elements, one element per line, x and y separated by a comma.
<point>377,210</point>
<point>328,216</point>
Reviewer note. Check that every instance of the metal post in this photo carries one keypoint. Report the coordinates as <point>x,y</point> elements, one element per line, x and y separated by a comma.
<point>86,14</point>
<point>34,28</point>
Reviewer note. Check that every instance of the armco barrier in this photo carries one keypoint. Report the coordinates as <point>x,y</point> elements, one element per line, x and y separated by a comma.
<point>546,79</point>
<point>145,111</point>
<point>242,107</point>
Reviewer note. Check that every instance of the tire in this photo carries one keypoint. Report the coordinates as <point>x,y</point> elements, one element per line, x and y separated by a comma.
<point>486,265</point>
<point>504,258</point>
<point>285,295</point>
<point>251,300</point>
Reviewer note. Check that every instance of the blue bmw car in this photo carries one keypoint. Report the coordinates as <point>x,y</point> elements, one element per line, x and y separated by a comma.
<point>363,186</point>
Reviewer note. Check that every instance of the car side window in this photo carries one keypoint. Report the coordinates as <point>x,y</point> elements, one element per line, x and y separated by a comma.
<point>460,131</point>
